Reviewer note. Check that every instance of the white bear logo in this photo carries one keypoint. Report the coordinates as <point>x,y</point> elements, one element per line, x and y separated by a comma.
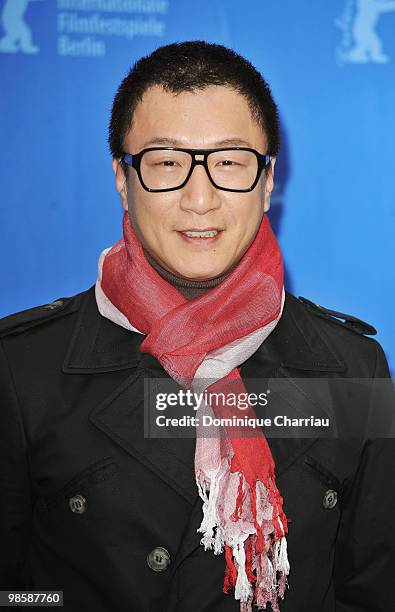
<point>18,36</point>
<point>366,45</point>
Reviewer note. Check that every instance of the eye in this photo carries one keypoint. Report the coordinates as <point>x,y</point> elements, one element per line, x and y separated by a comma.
<point>228,162</point>
<point>168,163</point>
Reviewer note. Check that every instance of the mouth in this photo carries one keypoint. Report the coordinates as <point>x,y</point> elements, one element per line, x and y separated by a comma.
<point>200,237</point>
<point>207,233</point>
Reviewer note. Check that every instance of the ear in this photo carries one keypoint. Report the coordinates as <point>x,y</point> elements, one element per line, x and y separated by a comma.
<point>269,184</point>
<point>120,181</point>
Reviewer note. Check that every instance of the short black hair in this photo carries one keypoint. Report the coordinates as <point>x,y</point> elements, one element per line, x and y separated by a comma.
<point>190,66</point>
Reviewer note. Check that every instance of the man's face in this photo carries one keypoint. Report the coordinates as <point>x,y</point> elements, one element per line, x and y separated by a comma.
<point>214,117</point>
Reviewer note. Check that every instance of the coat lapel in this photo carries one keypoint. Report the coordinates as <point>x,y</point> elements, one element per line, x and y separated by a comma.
<point>97,345</point>
<point>295,352</point>
<point>121,417</point>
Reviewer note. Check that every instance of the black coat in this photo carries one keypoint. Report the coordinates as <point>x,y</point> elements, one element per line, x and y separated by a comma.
<point>72,393</point>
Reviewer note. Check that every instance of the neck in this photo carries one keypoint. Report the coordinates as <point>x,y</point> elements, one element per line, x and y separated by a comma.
<point>188,287</point>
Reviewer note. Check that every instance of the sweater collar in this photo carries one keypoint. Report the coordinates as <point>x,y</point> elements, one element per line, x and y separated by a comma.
<point>187,287</point>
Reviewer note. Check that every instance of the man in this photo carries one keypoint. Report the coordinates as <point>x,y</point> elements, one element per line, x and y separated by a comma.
<point>193,293</point>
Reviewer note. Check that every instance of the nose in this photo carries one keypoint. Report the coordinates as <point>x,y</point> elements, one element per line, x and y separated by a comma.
<point>199,195</point>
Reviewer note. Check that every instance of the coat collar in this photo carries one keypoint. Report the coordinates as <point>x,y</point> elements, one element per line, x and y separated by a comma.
<point>98,345</point>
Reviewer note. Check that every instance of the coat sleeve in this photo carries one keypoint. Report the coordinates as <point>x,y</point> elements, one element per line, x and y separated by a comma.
<point>15,501</point>
<point>365,549</point>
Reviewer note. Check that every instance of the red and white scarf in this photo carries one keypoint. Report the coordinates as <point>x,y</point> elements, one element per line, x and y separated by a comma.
<point>202,342</point>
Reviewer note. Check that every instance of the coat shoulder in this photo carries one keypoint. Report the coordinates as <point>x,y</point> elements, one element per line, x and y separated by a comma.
<point>20,322</point>
<point>346,321</point>
<point>348,336</point>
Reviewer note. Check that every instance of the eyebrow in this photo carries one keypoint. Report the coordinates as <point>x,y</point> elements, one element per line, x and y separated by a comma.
<point>172,142</point>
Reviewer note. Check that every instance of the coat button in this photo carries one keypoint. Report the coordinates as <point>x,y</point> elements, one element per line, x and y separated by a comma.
<point>53,305</point>
<point>330,499</point>
<point>158,559</point>
<point>78,504</point>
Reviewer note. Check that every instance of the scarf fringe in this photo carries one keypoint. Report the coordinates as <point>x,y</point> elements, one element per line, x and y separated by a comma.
<point>244,552</point>
<point>213,537</point>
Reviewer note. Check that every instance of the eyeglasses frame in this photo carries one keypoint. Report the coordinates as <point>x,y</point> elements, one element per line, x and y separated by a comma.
<point>134,161</point>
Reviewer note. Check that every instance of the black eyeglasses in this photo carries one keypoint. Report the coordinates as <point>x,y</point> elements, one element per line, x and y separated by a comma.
<point>168,168</point>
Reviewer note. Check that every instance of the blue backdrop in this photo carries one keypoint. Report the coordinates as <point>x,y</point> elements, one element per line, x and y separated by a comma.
<point>331,69</point>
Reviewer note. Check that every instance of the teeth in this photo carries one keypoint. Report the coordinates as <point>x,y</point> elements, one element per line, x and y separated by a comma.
<point>207,234</point>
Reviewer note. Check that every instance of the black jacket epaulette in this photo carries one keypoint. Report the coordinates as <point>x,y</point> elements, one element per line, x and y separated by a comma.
<point>25,319</point>
<point>350,322</point>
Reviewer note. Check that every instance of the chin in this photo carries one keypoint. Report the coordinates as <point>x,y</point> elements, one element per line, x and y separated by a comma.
<point>201,273</point>
<point>200,266</point>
